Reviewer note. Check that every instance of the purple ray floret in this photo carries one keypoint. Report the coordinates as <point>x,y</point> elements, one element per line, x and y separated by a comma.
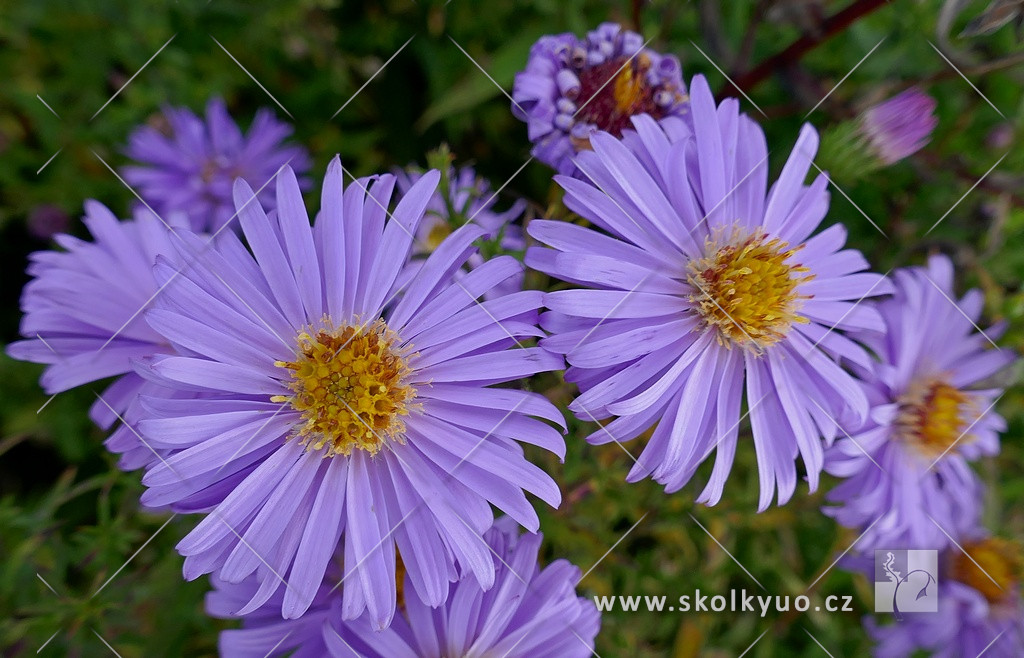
<point>530,612</point>
<point>190,168</point>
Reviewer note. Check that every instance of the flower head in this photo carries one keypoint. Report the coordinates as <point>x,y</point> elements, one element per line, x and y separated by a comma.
<point>191,168</point>
<point>701,279</point>
<point>84,317</point>
<point>900,126</point>
<point>529,612</point>
<point>346,408</point>
<point>469,198</point>
<point>980,607</point>
<point>573,87</point>
<point>906,472</point>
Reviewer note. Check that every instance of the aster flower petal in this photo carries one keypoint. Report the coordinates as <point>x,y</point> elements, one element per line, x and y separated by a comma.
<point>530,611</point>
<point>470,198</point>
<point>83,333</point>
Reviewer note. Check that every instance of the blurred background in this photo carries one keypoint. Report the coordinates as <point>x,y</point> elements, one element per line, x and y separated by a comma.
<point>69,521</point>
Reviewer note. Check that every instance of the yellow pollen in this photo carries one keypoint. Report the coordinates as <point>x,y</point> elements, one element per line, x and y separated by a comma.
<point>349,385</point>
<point>630,86</point>
<point>932,416</point>
<point>1000,561</point>
<point>438,232</point>
<point>747,292</point>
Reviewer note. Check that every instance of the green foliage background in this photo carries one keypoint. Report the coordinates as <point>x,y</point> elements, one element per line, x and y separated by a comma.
<point>69,518</point>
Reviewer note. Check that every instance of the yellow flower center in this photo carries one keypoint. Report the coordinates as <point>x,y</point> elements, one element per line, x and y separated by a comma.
<point>747,292</point>
<point>614,91</point>
<point>932,416</point>
<point>438,232</point>
<point>349,385</point>
<point>630,88</point>
<point>1000,571</point>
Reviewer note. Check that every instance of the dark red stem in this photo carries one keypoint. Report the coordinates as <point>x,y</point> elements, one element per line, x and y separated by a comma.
<point>830,27</point>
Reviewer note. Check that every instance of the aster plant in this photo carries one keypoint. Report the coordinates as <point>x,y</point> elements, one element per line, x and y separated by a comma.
<point>906,478</point>
<point>83,317</point>
<point>345,409</point>
<point>530,612</point>
<point>980,607</point>
<point>343,406</point>
<point>701,280</point>
<point>191,167</point>
<point>572,87</point>
<point>883,134</point>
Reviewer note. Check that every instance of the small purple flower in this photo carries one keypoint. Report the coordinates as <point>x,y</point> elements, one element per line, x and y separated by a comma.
<point>84,317</point>
<point>981,609</point>
<point>346,408</point>
<point>470,198</point>
<point>192,169</point>
<point>906,469</point>
<point>708,279</point>
<point>573,87</point>
<point>530,612</point>
<point>899,126</point>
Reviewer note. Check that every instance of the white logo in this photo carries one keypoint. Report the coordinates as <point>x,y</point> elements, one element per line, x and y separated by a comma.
<point>906,581</point>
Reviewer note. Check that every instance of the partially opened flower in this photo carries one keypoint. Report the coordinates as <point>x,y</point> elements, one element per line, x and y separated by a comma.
<point>572,87</point>
<point>702,279</point>
<point>530,612</point>
<point>881,136</point>
<point>900,126</point>
<point>469,198</point>
<point>906,472</point>
<point>191,168</point>
<point>980,607</point>
<point>84,316</point>
<point>348,408</point>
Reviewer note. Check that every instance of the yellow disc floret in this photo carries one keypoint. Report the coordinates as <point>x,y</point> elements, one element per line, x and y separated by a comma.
<point>933,415</point>
<point>994,568</point>
<point>349,383</point>
<point>437,234</point>
<point>630,86</point>
<point>747,291</point>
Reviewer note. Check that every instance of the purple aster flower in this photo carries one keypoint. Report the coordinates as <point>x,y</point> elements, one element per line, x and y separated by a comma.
<point>470,198</point>
<point>530,612</point>
<point>981,609</point>
<point>906,469</point>
<point>900,126</point>
<point>84,316</point>
<point>350,410</point>
<point>572,87</point>
<point>191,170</point>
<point>706,279</point>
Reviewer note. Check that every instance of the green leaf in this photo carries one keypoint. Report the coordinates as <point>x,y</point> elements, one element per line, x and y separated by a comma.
<point>475,88</point>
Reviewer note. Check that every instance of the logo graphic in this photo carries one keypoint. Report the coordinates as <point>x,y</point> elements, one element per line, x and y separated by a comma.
<point>906,581</point>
